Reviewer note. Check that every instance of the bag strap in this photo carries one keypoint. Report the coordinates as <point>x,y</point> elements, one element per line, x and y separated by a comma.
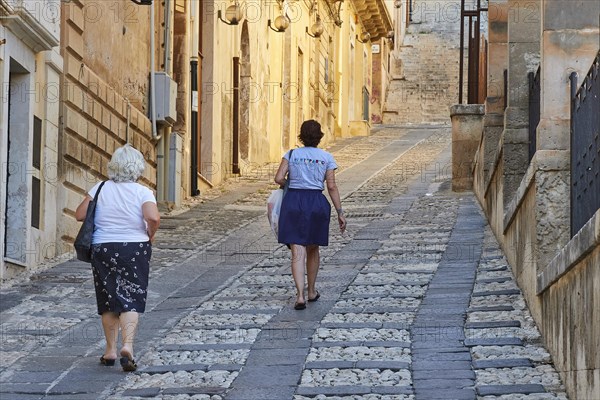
<point>98,191</point>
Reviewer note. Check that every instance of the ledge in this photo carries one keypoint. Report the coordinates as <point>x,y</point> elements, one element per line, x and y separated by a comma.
<point>497,158</point>
<point>31,31</point>
<point>583,243</point>
<point>543,160</point>
<point>513,206</point>
<point>466,109</point>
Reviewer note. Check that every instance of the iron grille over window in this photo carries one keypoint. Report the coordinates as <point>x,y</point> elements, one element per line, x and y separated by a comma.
<point>534,109</point>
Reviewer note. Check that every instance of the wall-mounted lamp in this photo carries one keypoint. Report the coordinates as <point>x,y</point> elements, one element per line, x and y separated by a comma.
<point>281,23</point>
<point>143,2</point>
<point>364,37</point>
<point>233,13</point>
<point>337,9</point>
<point>316,30</point>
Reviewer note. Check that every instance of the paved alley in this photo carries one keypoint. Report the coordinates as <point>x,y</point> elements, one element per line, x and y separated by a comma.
<point>417,300</point>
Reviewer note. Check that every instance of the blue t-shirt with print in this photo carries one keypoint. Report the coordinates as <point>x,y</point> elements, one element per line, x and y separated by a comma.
<point>308,166</point>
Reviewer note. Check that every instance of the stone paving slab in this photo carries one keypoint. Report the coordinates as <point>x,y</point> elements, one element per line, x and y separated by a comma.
<point>502,363</point>
<point>493,324</point>
<point>352,390</point>
<point>498,341</point>
<point>506,292</point>
<point>499,390</point>
<point>454,394</point>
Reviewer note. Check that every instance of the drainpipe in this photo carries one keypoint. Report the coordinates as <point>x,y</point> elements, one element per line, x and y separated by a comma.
<point>128,114</point>
<point>152,80</point>
<point>167,129</point>
<point>167,37</point>
<point>194,101</point>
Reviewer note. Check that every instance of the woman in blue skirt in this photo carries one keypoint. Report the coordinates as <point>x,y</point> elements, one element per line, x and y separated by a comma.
<point>305,212</point>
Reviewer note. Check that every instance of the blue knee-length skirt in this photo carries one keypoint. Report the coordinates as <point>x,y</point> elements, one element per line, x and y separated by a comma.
<point>304,218</point>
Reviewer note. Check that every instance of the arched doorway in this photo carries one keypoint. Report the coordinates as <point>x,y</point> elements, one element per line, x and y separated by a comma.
<point>245,94</point>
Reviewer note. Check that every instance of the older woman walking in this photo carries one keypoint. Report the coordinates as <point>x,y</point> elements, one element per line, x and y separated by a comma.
<point>305,212</point>
<point>126,220</point>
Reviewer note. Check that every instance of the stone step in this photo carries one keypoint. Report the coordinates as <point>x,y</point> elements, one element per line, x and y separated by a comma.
<point>492,324</point>
<point>503,363</point>
<point>501,390</point>
<point>499,341</point>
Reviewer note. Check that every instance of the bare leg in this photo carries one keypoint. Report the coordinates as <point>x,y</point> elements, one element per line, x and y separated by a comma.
<point>312,268</point>
<point>298,262</point>
<point>129,322</point>
<point>110,324</point>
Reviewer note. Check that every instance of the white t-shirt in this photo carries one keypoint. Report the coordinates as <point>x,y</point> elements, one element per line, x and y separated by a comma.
<point>119,216</point>
<point>308,166</point>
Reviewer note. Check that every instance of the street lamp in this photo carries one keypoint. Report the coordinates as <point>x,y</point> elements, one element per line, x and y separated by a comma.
<point>317,29</point>
<point>364,37</point>
<point>337,19</point>
<point>233,13</point>
<point>281,23</point>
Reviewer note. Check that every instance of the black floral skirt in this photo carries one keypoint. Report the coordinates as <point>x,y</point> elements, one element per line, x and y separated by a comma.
<point>121,276</point>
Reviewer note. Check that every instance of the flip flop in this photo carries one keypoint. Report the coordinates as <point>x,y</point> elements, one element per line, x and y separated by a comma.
<point>315,298</point>
<point>299,306</point>
<point>108,362</point>
<point>127,362</point>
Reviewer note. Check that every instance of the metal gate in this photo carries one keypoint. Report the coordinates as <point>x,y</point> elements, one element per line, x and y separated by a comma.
<point>585,147</point>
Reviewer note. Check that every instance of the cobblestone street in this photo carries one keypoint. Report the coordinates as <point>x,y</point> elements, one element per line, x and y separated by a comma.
<point>417,299</point>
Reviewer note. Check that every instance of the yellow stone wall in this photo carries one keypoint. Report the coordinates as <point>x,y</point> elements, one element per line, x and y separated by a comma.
<point>105,47</point>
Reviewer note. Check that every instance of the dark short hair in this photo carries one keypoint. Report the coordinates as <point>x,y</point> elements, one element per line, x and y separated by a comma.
<point>310,133</point>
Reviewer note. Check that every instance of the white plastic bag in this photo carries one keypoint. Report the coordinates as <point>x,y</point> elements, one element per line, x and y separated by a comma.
<point>273,209</point>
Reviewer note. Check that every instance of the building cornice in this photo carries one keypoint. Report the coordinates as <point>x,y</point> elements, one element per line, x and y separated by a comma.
<point>375,17</point>
<point>27,26</point>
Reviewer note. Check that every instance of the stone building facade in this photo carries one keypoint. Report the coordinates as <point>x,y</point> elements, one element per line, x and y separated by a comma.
<point>525,169</point>
<point>30,71</point>
<point>273,80</point>
<point>77,78</point>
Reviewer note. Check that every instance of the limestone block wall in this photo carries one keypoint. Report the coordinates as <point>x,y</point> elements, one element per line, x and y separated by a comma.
<point>559,282</point>
<point>528,205</point>
<point>467,125</point>
<point>570,307</point>
<point>103,87</point>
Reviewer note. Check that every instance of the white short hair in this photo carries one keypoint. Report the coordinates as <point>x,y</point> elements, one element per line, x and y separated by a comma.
<point>126,165</point>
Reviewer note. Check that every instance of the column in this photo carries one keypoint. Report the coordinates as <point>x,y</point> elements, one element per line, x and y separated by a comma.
<point>493,120</point>
<point>523,56</point>
<point>569,42</point>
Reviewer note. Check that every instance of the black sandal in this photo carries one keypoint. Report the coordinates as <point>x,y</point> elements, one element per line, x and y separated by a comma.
<point>315,298</point>
<point>128,364</point>
<point>108,362</point>
<point>299,306</point>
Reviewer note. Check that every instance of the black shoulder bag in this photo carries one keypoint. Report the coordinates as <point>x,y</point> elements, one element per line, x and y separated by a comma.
<point>83,241</point>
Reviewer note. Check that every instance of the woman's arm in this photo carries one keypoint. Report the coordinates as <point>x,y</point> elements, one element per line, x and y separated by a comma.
<point>281,172</point>
<point>152,218</point>
<point>82,208</point>
<point>335,197</point>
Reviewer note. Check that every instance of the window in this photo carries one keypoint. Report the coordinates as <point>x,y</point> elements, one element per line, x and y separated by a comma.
<point>36,184</point>
<point>37,142</point>
<point>35,202</point>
